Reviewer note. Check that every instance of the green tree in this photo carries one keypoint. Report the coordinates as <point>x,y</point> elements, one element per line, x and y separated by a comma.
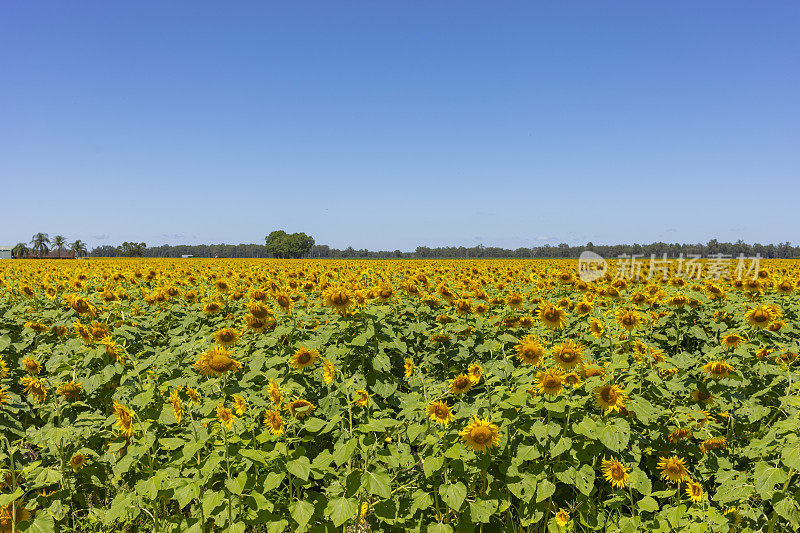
<point>132,249</point>
<point>40,242</point>
<point>20,250</point>
<point>60,242</point>
<point>282,245</point>
<point>78,248</point>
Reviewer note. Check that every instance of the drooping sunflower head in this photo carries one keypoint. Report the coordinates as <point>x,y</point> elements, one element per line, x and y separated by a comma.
<point>225,417</point>
<point>328,371</point>
<point>475,372</point>
<point>731,340</point>
<point>274,422</point>
<point>628,319</point>
<point>552,316</point>
<point>610,397</point>
<point>568,355</point>
<point>124,420</point>
<point>695,491</point>
<point>439,412</point>
<point>239,405</point>
<point>530,351</point>
<point>461,384</point>
<point>35,388</point>
<point>32,366</point>
<point>713,443</point>
<point>760,317</point>
<point>679,434</point>
<point>177,406</point>
<point>480,435</point>
<point>717,369</point>
<point>216,362</point>
<point>408,367</point>
<point>78,461</point>
<point>596,328</point>
<point>361,397</point>
<point>673,469</point>
<point>615,473</point>
<point>301,408</point>
<point>304,358</point>
<point>515,300</point>
<point>274,392</point>
<point>339,298</point>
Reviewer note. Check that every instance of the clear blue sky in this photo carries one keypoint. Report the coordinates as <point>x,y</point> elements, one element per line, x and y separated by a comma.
<point>388,125</point>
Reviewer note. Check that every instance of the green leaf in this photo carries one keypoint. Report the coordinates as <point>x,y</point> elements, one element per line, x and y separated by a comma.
<point>584,479</point>
<point>377,483</point>
<point>301,511</point>
<point>273,480</point>
<point>615,435</point>
<point>481,510</point>
<point>648,504</point>
<point>342,453</point>
<point>436,527</point>
<point>563,444</point>
<point>453,495</point>
<point>41,523</point>
<point>300,467</point>
<point>766,477</point>
<point>431,464</point>
<point>544,490</point>
<point>790,455</point>
<point>341,510</point>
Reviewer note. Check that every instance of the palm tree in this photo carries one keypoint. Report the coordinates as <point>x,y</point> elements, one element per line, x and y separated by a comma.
<point>40,242</point>
<point>78,248</point>
<point>59,241</point>
<point>20,250</point>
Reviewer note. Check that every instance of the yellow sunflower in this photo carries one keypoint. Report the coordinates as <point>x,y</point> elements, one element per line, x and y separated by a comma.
<point>628,319</point>
<point>274,392</point>
<point>216,362</point>
<point>568,355</point>
<point>239,405</point>
<point>551,316</point>
<point>78,461</point>
<point>695,491</point>
<point>362,397</point>
<point>461,384</point>
<point>439,412</point>
<point>274,422</point>
<point>328,371</point>
<point>610,397</point>
<point>177,406</point>
<point>562,518</point>
<point>339,299</point>
<point>615,473</point>
<point>760,317</point>
<point>124,420</point>
<point>480,435</point>
<point>70,390</point>
<point>550,381</point>
<point>731,340</point>
<point>408,367</point>
<point>34,388</point>
<point>32,366</point>
<point>717,369</point>
<point>475,372</point>
<point>530,351</point>
<point>300,408</point>
<point>673,469</point>
<point>225,417</point>
<point>226,337</point>
<point>304,358</point>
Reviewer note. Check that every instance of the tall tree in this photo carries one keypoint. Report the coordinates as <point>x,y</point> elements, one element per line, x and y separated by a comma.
<point>20,250</point>
<point>78,248</point>
<point>40,242</point>
<point>60,242</point>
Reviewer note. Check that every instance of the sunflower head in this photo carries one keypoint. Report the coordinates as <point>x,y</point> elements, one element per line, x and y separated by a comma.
<point>78,461</point>
<point>717,369</point>
<point>530,351</point>
<point>615,473</point>
<point>362,397</point>
<point>568,355</point>
<point>300,408</point>
<point>552,316</point>
<point>550,381</point>
<point>461,384</point>
<point>304,358</point>
<point>274,422</point>
<point>217,362</point>
<point>673,469</point>
<point>695,491</point>
<point>226,337</point>
<point>610,397</point>
<point>439,412</point>
<point>480,435</point>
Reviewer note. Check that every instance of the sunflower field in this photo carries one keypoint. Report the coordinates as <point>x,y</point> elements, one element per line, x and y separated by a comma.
<point>485,395</point>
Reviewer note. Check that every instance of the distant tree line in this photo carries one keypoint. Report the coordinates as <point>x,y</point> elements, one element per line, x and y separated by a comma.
<point>563,250</point>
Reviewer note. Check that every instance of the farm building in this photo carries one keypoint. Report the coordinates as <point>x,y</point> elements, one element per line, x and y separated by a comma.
<point>5,252</point>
